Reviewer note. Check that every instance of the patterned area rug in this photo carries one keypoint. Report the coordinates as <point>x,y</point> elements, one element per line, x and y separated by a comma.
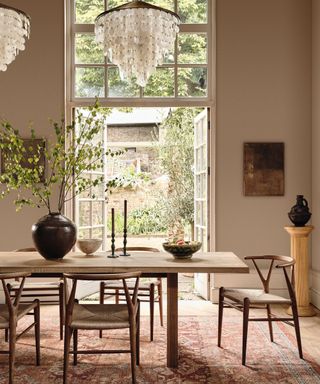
<point>201,361</point>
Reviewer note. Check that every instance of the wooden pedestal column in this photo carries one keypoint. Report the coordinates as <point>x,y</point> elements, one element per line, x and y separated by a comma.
<point>299,251</point>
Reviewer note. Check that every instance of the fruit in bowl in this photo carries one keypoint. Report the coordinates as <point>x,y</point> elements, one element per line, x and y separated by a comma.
<point>89,246</point>
<point>182,249</point>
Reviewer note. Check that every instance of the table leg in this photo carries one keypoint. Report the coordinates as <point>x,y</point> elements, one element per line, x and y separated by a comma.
<point>172,320</point>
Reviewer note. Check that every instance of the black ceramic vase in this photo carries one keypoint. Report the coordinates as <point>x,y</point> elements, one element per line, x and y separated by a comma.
<point>299,213</point>
<point>54,235</point>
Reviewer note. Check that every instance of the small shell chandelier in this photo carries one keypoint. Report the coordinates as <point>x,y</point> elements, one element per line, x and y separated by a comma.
<point>14,30</point>
<point>136,36</point>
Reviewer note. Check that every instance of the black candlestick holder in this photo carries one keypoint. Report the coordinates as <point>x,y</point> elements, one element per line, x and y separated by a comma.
<point>124,249</point>
<point>113,255</point>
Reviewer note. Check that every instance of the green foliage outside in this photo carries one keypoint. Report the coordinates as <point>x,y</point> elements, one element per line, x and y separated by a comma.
<point>140,221</point>
<point>176,154</point>
<point>174,209</point>
<point>129,179</point>
<point>67,160</point>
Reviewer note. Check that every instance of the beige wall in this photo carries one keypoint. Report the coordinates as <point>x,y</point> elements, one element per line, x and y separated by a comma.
<point>263,94</point>
<point>315,151</point>
<point>32,90</point>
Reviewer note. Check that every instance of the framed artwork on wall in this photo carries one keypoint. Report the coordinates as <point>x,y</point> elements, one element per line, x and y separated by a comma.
<point>31,146</point>
<point>263,169</point>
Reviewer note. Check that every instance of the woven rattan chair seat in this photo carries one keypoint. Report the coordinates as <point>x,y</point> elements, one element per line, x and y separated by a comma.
<point>256,296</point>
<point>23,309</point>
<point>100,316</point>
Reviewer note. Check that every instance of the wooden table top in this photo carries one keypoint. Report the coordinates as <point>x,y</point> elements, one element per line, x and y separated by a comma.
<point>76,262</point>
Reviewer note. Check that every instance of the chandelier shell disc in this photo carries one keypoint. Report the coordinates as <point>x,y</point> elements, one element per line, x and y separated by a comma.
<point>136,37</point>
<point>14,31</point>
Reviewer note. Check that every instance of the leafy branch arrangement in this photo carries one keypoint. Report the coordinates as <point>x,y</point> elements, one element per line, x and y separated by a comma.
<point>75,151</point>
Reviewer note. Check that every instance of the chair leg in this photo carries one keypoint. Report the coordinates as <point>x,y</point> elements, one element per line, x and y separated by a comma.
<point>61,308</point>
<point>133,350</point>
<point>67,340</point>
<point>270,322</point>
<point>6,331</point>
<point>117,296</point>
<point>151,310</point>
<point>246,306</point>
<point>160,302</point>
<point>297,326</point>
<point>220,314</point>
<point>12,350</point>
<point>75,347</point>
<point>138,336</point>
<point>102,286</point>
<point>37,331</point>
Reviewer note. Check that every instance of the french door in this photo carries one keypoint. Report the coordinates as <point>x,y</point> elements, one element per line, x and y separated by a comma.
<point>201,194</point>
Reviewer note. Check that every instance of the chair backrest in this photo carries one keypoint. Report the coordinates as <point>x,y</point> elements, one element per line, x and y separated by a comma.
<point>13,303</point>
<point>132,299</point>
<point>138,249</point>
<point>285,262</point>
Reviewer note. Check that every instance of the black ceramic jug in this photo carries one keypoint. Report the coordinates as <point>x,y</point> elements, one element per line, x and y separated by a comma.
<point>299,213</point>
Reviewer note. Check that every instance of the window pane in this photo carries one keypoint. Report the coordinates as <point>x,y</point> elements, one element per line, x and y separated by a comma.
<point>193,11</point>
<point>98,138</point>
<point>98,190</point>
<point>115,3</point>
<point>120,88</point>
<point>169,57</point>
<point>192,48</point>
<point>84,213</point>
<point>84,234</point>
<point>93,192</point>
<point>161,83</point>
<point>198,212</point>
<point>97,233</point>
<point>87,193</point>
<point>89,82</point>
<point>192,82</point>
<point>93,166</point>
<point>97,211</point>
<point>87,50</point>
<point>167,4</point>
<point>88,10</point>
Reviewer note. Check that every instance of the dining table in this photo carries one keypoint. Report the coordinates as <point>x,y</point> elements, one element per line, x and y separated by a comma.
<point>150,264</point>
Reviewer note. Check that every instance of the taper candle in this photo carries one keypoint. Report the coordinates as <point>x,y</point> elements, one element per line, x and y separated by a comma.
<point>125,214</point>
<point>112,220</point>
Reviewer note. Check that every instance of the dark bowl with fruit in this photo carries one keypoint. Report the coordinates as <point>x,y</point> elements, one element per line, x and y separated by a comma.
<point>182,249</point>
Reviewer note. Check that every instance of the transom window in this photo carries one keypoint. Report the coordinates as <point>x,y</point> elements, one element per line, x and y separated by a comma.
<point>185,73</point>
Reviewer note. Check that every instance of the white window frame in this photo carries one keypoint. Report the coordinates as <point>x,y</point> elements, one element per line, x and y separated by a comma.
<point>209,101</point>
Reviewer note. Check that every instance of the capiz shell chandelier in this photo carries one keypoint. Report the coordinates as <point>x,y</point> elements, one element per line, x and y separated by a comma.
<point>136,36</point>
<point>14,30</point>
